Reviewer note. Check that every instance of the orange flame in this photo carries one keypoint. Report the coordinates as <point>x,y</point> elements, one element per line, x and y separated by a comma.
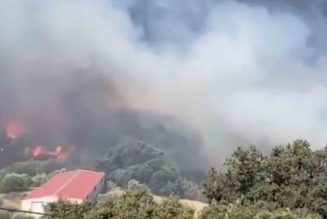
<point>39,150</point>
<point>14,129</point>
<point>59,152</point>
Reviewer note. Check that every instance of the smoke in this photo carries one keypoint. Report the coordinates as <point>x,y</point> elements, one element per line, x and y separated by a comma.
<point>238,72</point>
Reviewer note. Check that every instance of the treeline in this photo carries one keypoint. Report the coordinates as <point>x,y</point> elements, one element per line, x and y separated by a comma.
<point>136,160</point>
<point>130,160</point>
<point>290,182</point>
<point>290,177</point>
<point>137,202</point>
<point>24,175</point>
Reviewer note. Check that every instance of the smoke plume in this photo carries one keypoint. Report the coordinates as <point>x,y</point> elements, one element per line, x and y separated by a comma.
<point>232,72</point>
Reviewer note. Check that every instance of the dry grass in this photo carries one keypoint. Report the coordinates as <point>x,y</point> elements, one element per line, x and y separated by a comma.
<point>196,205</point>
<point>11,200</point>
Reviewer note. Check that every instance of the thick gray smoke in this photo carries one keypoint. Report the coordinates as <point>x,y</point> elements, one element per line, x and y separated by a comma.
<point>239,72</point>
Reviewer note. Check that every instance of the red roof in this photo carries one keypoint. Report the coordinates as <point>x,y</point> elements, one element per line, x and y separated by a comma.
<point>76,184</point>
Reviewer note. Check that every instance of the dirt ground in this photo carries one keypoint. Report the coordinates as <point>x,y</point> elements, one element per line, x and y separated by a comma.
<point>11,200</point>
<point>196,205</point>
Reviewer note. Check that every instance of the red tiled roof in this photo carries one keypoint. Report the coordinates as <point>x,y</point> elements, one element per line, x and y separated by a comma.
<point>76,184</point>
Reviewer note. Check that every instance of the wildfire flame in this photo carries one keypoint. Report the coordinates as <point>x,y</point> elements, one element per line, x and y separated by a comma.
<point>39,150</point>
<point>14,129</point>
<point>59,152</point>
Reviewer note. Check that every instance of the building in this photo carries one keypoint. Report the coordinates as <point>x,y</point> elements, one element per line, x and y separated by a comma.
<point>76,186</point>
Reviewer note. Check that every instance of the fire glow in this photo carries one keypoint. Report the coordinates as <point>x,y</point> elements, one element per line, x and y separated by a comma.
<point>14,129</point>
<point>38,151</point>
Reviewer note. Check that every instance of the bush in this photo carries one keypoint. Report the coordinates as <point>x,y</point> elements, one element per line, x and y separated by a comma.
<point>29,168</point>
<point>64,209</point>
<point>172,208</point>
<point>50,175</point>
<point>121,177</point>
<point>49,166</point>
<point>142,162</point>
<point>189,190</point>
<point>39,179</point>
<point>15,182</point>
<point>5,214</point>
<point>238,211</point>
<point>135,185</point>
<point>22,216</point>
<point>111,185</point>
<point>136,203</point>
<point>291,177</point>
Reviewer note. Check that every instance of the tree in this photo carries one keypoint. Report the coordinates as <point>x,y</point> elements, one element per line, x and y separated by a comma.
<point>291,176</point>
<point>15,182</point>
<point>259,211</point>
<point>64,209</point>
<point>172,208</point>
<point>146,164</point>
<point>136,203</point>
<point>213,186</point>
<point>39,179</point>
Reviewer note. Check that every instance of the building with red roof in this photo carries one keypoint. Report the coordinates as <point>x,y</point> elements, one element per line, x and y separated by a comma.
<point>75,186</point>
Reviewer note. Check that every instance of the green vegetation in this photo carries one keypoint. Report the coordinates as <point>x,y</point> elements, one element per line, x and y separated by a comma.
<point>33,168</point>
<point>292,177</point>
<point>8,215</point>
<point>14,182</point>
<point>289,182</point>
<point>136,203</point>
<point>258,211</point>
<point>148,165</point>
<point>5,215</point>
<point>22,176</point>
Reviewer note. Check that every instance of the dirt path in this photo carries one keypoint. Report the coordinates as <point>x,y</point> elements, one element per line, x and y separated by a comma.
<point>10,200</point>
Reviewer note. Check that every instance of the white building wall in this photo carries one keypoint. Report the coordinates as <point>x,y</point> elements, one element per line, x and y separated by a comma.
<point>37,204</point>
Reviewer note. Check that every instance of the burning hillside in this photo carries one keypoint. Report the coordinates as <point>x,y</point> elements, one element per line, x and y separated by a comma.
<point>81,125</point>
<point>15,146</point>
<point>92,143</point>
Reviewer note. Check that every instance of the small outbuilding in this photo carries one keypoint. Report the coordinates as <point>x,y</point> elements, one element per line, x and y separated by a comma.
<point>76,186</point>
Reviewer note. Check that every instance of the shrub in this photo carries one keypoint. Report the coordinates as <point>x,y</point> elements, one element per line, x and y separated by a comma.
<point>5,214</point>
<point>15,182</point>
<point>136,203</point>
<point>39,179</point>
